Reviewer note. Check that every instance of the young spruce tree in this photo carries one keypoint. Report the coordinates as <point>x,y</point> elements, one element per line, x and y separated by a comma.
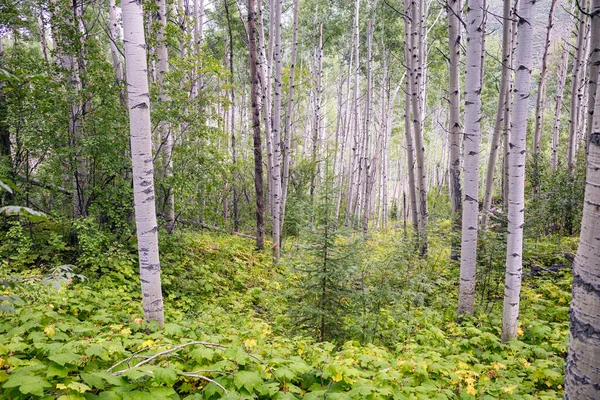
<point>328,265</point>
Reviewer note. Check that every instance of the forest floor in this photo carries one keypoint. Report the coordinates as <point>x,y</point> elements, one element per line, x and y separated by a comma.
<point>230,332</point>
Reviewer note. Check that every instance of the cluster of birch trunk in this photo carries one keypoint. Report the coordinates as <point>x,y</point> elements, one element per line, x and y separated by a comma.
<point>340,115</point>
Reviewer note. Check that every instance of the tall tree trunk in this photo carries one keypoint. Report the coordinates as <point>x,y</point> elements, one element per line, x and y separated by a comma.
<point>415,79</point>
<point>112,31</point>
<point>264,75</point>
<point>576,86</point>
<point>368,111</point>
<point>317,125</point>
<point>355,111</point>
<point>541,95</point>
<point>560,90</point>
<point>256,134</point>
<point>454,10</point>
<point>594,62</point>
<point>503,98</point>
<point>236,220</point>
<point>141,155</point>
<point>583,362</point>
<point>412,187</point>
<point>288,132</point>
<point>198,31</point>
<point>516,159</point>
<point>276,130</point>
<point>166,133</point>
<point>472,143</point>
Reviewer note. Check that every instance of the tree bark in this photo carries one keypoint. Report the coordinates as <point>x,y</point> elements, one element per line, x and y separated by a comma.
<point>516,159</point>
<point>112,31</point>
<point>582,375</point>
<point>503,97</point>
<point>141,155</point>
<point>560,90</point>
<point>576,87</point>
<point>256,134</point>
<point>454,8</point>
<point>415,79</point>
<point>288,132</point>
<point>165,129</point>
<point>594,62</point>
<point>541,95</point>
<point>236,220</point>
<point>276,129</point>
<point>472,143</point>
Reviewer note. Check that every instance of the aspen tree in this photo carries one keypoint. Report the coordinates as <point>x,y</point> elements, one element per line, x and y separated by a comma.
<point>288,132</point>
<point>141,155</point>
<point>472,143</point>
<point>416,82</point>
<point>276,129</point>
<point>516,164</point>
<point>256,134</point>
<point>562,80</point>
<point>582,377</point>
<point>165,130</point>
<point>412,187</point>
<point>578,74</point>
<point>541,96</point>
<point>594,63</point>
<point>454,8</point>
<point>503,98</point>
<point>236,220</point>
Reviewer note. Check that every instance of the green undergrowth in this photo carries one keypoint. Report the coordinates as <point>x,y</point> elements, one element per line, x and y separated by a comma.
<point>230,335</point>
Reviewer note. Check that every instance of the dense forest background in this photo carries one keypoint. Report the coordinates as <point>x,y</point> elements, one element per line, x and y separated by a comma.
<point>367,199</point>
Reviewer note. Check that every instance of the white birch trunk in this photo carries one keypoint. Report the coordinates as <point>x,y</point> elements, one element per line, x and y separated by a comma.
<point>472,143</point>
<point>141,155</point>
<point>516,165</point>
<point>276,130</point>
<point>582,378</point>
<point>503,97</point>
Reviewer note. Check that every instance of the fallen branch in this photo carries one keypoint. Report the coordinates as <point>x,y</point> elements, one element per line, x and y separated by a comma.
<point>160,354</point>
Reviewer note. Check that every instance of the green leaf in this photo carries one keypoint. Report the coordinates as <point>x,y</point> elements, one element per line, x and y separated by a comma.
<point>93,380</point>
<point>27,384</point>
<point>164,393</point>
<point>247,379</point>
<point>203,353</point>
<point>79,387</point>
<point>65,358</point>
<point>57,370</point>
<point>97,350</point>
<point>165,375</point>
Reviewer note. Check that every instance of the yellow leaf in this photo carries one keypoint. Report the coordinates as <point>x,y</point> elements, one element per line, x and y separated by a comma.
<point>548,383</point>
<point>61,386</point>
<point>1,362</point>
<point>49,331</point>
<point>337,377</point>
<point>147,343</point>
<point>469,381</point>
<point>508,389</point>
<point>498,366</point>
<point>125,331</point>
<point>520,331</point>
<point>249,343</point>
<point>471,390</point>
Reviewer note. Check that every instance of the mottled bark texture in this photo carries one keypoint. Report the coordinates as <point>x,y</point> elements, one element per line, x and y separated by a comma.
<point>454,8</point>
<point>258,163</point>
<point>141,156</point>
<point>516,171</point>
<point>472,144</point>
<point>582,379</point>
